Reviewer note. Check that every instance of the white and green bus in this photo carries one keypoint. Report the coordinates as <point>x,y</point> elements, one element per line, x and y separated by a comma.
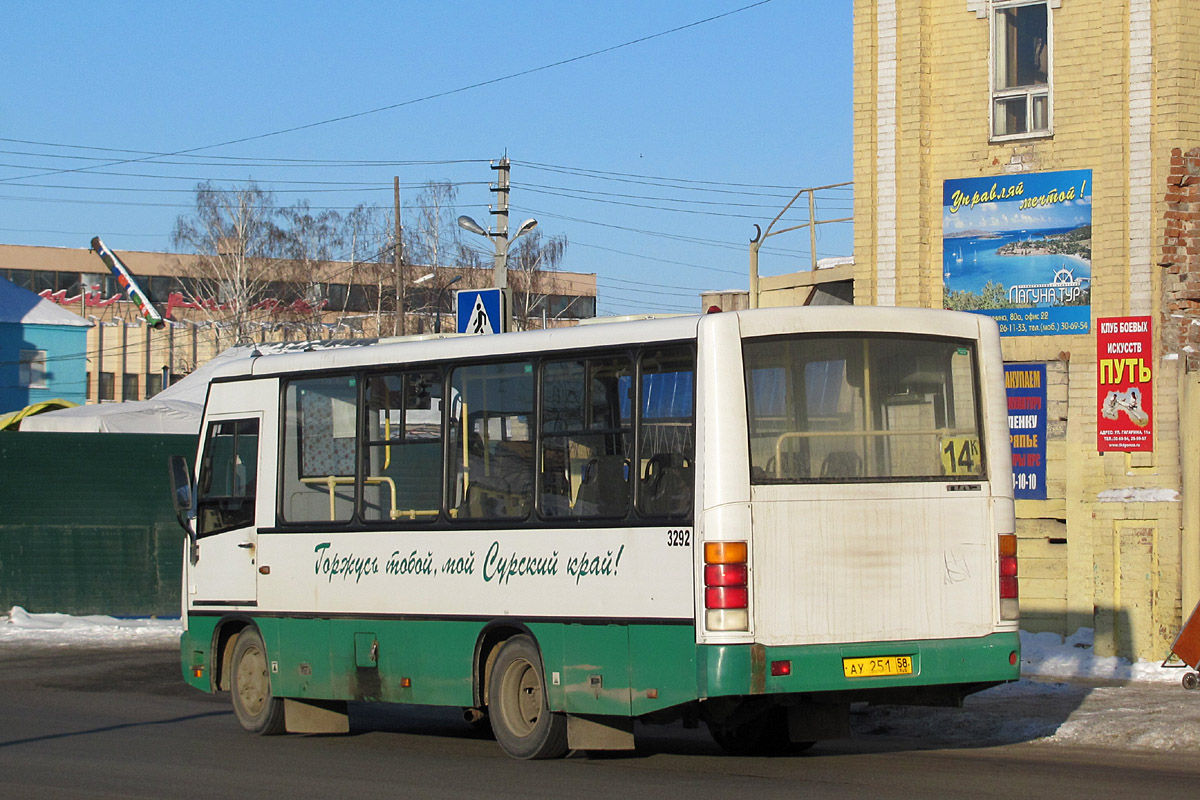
<point>747,519</point>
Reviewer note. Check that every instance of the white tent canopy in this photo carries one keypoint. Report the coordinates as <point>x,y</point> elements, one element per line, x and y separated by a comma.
<point>176,409</point>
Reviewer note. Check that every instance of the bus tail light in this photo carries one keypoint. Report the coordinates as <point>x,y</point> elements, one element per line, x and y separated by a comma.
<point>726,586</point>
<point>1008,577</point>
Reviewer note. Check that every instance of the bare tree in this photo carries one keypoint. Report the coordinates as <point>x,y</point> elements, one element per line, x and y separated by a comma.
<point>432,236</point>
<point>532,265</point>
<point>368,235</point>
<point>235,238</point>
<point>297,265</point>
<point>310,243</point>
<point>435,251</point>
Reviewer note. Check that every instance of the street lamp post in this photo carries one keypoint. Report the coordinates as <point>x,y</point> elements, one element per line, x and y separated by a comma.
<point>500,241</point>
<point>761,235</point>
<point>437,315</point>
<point>438,296</point>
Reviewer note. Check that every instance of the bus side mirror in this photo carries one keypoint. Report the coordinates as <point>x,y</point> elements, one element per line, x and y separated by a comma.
<point>181,484</point>
<point>182,499</point>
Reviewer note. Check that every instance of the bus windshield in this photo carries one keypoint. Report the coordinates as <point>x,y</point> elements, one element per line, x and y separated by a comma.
<point>861,408</point>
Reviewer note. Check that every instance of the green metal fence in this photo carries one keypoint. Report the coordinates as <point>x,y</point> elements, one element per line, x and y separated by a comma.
<point>86,524</point>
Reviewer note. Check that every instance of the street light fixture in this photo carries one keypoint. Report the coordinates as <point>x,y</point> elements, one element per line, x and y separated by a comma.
<point>501,241</point>
<point>437,315</point>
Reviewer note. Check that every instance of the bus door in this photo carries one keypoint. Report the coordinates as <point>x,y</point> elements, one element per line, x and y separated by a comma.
<point>224,575</point>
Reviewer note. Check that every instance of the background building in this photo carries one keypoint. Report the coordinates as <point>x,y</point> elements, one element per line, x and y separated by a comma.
<point>129,360</point>
<point>42,350</point>
<point>1039,161</point>
<point>1083,118</point>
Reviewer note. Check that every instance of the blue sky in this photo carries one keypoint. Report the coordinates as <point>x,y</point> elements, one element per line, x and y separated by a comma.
<point>654,160</point>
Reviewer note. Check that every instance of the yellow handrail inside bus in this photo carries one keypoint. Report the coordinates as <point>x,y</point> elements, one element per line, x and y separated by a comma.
<point>331,482</point>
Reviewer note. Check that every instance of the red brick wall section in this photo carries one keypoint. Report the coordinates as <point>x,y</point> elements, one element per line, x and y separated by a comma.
<point>1181,259</point>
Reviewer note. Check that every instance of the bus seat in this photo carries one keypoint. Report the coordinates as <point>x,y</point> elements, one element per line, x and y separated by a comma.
<point>667,486</point>
<point>604,491</point>
<point>841,464</point>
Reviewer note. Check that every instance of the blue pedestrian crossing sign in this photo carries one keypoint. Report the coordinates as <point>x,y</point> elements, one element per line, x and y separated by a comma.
<point>482,311</point>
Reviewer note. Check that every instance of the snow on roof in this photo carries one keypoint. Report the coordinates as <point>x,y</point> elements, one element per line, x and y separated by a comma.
<point>23,306</point>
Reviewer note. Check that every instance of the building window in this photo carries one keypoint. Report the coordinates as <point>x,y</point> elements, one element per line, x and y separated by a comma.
<point>129,386</point>
<point>33,369</point>
<point>153,384</point>
<point>1021,59</point>
<point>106,387</point>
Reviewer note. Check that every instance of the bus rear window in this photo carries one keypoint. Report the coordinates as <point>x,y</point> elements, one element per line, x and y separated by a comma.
<point>858,408</point>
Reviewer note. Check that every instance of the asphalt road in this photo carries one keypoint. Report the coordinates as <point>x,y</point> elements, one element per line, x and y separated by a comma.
<point>87,722</point>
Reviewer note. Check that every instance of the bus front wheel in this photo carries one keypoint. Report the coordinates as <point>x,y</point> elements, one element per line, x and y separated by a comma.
<point>256,708</point>
<point>517,707</point>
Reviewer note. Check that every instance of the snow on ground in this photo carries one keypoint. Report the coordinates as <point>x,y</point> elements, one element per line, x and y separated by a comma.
<point>64,629</point>
<point>1066,696</point>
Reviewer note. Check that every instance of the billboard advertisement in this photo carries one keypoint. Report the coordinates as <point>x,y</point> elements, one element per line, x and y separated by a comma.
<point>1025,385</point>
<point>1124,384</point>
<point>1019,248</point>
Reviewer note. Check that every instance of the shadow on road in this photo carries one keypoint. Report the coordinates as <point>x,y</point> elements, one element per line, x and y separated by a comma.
<point>109,728</point>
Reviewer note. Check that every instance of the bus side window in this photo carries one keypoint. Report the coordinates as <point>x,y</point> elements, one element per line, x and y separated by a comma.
<point>320,438</point>
<point>402,480</point>
<point>586,436</point>
<point>666,433</point>
<point>228,477</point>
<point>490,469</point>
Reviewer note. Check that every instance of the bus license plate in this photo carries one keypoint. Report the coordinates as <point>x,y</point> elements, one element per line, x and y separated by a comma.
<point>880,665</point>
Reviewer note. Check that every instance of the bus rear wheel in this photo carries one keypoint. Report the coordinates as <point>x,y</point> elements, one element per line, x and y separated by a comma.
<point>256,708</point>
<point>517,707</point>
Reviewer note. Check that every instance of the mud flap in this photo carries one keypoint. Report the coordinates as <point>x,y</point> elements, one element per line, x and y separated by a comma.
<point>316,716</point>
<point>596,732</point>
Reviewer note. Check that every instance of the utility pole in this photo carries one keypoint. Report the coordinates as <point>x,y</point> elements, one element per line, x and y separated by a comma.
<point>499,238</point>
<point>500,211</point>
<point>398,261</point>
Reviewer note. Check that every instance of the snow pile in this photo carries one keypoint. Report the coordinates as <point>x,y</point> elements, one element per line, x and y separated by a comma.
<point>1067,696</point>
<point>21,626</point>
<point>1049,655</point>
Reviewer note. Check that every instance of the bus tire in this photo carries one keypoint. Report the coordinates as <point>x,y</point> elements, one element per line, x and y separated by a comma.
<point>256,708</point>
<point>517,707</point>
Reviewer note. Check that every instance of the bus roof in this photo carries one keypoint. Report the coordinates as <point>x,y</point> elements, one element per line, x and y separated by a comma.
<point>755,322</point>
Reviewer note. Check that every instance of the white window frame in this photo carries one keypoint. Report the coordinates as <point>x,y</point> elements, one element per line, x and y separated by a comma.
<point>33,369</point>
<point>1029,93</point>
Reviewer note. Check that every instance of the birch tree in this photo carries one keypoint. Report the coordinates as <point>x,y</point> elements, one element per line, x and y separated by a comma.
<point>532,264</point>
<point>234,237</point>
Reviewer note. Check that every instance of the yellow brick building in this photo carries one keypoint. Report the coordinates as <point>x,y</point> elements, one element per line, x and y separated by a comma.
<point>951,90</point>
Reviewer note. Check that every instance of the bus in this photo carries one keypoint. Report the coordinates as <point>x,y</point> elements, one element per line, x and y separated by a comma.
<point>747,520</point>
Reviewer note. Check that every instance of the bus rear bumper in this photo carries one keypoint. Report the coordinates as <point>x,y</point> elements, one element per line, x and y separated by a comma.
<point>898,672</point>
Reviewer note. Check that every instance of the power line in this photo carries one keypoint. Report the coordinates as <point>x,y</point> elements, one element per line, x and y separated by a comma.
<point>725,245</point>
<point>241,161</point>
<point>414,101</point>
<point>365,185</point>
<point>628,177</point>
<point>655,258</point>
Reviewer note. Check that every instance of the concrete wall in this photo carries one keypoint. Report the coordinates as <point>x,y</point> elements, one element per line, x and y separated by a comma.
<point>87,525</point>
